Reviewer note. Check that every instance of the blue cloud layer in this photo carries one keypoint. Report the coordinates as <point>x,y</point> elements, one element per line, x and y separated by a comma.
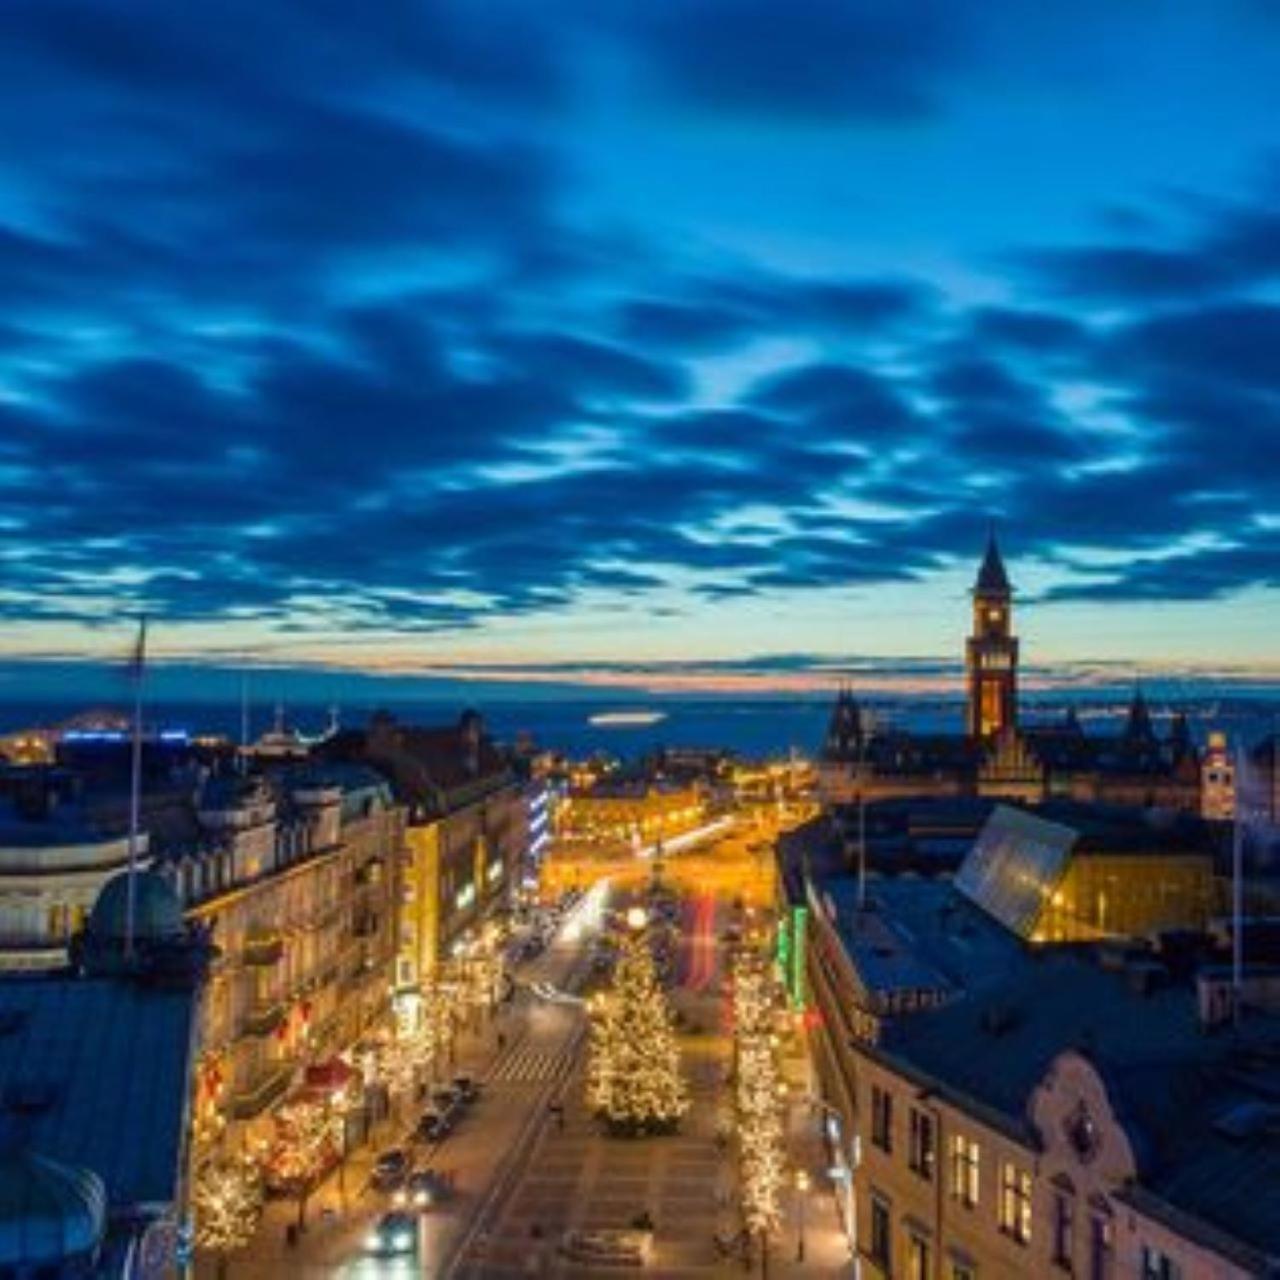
<point>306,321</point>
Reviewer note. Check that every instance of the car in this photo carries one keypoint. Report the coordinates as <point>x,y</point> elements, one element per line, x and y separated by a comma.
<point>432,1126</point>
<point>422,1189</point>
<point>444,1098</point>
<point>394,1234</point>
<point>389,1170</point>
<point>466,1088</point>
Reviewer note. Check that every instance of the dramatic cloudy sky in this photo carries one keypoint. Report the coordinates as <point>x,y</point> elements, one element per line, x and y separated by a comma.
<point>537,335</point>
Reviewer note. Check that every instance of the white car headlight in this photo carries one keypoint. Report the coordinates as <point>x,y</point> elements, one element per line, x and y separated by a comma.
<point>403,1241</point>
<point>373,1240</point>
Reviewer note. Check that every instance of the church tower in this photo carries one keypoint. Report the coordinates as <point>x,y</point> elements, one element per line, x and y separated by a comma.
<point>991,652</point>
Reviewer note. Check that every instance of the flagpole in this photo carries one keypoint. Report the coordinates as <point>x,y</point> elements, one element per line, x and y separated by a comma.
<point>1237,891</point>
<point>135,787</point>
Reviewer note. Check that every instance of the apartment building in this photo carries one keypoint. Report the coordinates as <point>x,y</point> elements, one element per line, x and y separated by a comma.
<point>296,876</point>
<point>467,833</point>
<point>996,1109</point>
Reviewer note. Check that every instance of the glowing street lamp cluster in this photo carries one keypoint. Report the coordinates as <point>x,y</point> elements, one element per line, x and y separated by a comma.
<point>759,1096</point>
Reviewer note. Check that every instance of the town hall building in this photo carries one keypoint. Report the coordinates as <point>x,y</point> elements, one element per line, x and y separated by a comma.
<point>996,755</point>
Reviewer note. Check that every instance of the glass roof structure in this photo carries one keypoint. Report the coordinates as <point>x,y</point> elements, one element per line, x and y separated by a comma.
<point>1014,867</point>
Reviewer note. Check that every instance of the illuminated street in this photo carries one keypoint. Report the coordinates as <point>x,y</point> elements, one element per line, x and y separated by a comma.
<point>576,1180</point>
<point>732,858</point>
<point>518,1082</point>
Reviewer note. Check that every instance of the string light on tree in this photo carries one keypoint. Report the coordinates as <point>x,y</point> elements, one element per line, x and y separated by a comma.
<point>308,1142</point>
<point>633,1073</point>
<point>226,1203</point>
<point>759,1095</point>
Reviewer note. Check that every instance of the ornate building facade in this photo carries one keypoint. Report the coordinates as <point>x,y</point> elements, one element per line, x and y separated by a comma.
<point>298,889</point>
<point>999,756</point>
<point>994,1111</point>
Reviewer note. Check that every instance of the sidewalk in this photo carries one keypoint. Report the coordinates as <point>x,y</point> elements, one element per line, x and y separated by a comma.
<point>339,1210</point>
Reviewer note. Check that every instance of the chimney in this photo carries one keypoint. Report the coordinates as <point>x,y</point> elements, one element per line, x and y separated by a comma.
<point>1215,1002</point>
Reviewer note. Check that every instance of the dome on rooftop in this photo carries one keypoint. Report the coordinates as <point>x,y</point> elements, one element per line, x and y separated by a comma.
<point>157,913</point>
<point>50,1213</point>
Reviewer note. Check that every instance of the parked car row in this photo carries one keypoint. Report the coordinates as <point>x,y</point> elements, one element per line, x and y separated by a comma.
<point>448,1105</point>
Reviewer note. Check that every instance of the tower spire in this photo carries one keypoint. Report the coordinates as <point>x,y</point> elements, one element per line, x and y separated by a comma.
<point>992,578</point>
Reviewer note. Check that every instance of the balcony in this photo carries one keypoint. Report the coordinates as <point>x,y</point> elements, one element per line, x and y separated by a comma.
<point>265,950</point>
<point>263,1017</point>
<point>253,1101</point>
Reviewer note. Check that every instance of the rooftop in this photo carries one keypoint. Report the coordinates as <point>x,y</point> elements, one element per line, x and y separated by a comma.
<point>96,1072</point>
<point>1010,1010</point>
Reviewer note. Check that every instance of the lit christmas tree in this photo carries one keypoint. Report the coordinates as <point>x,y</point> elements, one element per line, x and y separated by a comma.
<point>226,1203</point>
<point>633,1075</point>
<point>758,1098</point>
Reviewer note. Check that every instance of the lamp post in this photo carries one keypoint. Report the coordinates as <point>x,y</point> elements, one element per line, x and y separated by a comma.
<point>802,1196</point>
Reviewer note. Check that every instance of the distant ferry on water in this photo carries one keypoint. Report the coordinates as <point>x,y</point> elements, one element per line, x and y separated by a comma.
<point>625,719</point>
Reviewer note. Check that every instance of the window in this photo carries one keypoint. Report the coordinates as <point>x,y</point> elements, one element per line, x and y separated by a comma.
<point>964,1170</point>
<point>1015,1202</point>
<point>963,1271</point>
<point>1063,1214</point>
<point>1100,1247</point>
<point>1158,1266</point>
<point>922,1156</point>
<point>882,1118</point>
<point>918,1259</point>
<point>880,1233</point>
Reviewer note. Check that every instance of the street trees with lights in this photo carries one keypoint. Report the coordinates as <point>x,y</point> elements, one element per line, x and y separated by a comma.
<point>308,1143</point>
<point>759,1094</point>
<point>633,1077</point>
<point>226,1202</point>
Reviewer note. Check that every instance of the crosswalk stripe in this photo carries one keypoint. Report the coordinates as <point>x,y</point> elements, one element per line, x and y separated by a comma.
<point>528,1066</point>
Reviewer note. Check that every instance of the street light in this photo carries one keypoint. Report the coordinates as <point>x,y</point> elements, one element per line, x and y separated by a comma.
<point>637,918</point>
<point>802,1195</point>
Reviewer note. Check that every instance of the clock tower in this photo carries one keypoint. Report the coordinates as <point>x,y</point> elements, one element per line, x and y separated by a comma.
<point>991,652</point>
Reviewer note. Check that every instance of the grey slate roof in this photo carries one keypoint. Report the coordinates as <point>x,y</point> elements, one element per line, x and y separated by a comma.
<point>110,1061</point>
<point>1021,1006</point>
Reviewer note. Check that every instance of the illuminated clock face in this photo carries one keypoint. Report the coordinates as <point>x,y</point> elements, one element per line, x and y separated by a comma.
<point>993,615</point>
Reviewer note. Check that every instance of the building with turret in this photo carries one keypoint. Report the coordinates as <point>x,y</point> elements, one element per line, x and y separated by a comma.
<point>999,756</point>
<point>991,652</point>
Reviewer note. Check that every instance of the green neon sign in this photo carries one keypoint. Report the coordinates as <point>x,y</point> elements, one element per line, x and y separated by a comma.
<point>799,922</point>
